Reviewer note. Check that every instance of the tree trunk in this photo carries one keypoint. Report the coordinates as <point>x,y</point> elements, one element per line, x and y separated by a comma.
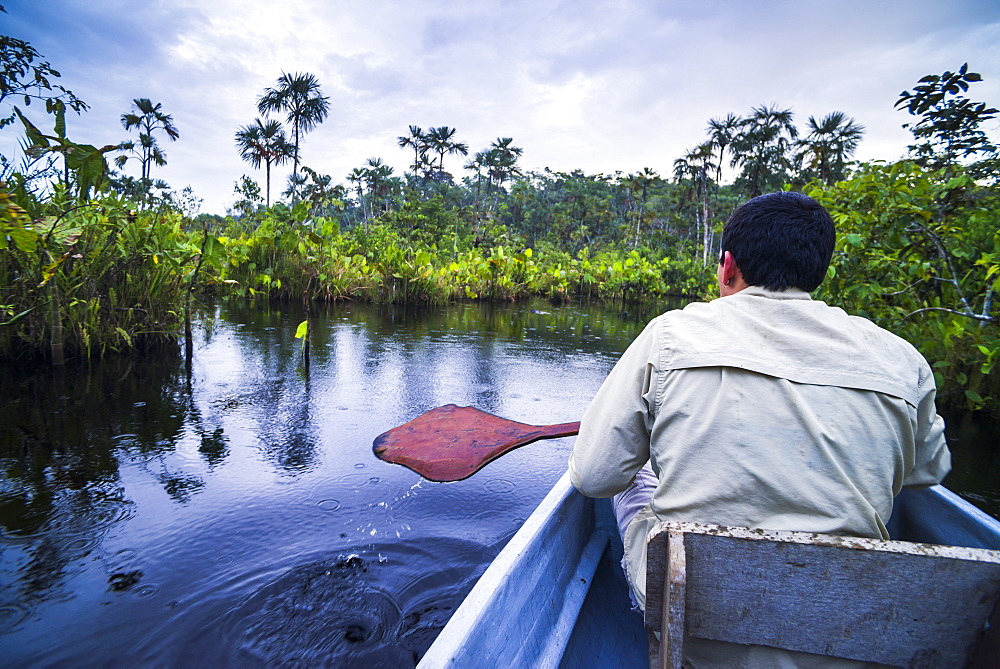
<point>57,333</point>
<point>267,202</point>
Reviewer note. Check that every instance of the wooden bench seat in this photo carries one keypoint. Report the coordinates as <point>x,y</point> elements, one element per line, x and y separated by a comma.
<point>890,602</point>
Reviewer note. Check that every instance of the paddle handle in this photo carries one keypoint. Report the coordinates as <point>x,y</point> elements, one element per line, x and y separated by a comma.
<point>558,430</point>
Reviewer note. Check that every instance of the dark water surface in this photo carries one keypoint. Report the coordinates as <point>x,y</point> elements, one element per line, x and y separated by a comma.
<point>237,516</point>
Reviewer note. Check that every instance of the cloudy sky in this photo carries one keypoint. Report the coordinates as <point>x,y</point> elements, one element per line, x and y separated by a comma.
<point>599,86</point>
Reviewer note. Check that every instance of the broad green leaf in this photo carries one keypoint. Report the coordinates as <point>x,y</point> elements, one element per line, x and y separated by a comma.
<point>300,211</point>
<point>34,135</point>
<point>24,240</point>
<point>89,164</point>
<point>974,396</point>
<point>302,330</point>
<point>19,316</point>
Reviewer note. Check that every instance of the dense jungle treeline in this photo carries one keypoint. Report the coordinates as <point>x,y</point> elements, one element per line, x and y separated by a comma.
<point>93,261</point>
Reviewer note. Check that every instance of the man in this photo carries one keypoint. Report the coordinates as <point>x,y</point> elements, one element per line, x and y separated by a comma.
<point>763,408</point>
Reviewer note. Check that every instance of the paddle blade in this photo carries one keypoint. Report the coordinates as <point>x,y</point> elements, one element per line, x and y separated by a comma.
<point>451,443</point>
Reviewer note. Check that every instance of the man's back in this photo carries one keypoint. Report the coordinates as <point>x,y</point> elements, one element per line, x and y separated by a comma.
<point>763,409</point>
<point>816,418</point>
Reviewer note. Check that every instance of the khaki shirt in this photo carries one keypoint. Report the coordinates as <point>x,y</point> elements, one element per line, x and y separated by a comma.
<point>767,410</point>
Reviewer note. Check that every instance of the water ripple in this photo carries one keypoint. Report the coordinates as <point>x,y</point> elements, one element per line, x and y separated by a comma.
<point>82,512</point>
<point>501,486</point>
<point>357,481</point>
<point>317,611</point>
<point>328,504</point>
<point>380,605</point>
<point>12,615</point>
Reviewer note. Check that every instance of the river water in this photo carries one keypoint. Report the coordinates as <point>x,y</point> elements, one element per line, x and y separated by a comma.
<point>233,514</point>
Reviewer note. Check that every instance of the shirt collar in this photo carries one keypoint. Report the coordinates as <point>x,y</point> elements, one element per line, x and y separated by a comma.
<point>761,291</point>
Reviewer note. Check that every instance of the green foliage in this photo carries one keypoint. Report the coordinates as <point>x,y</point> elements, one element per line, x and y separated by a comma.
<point>918,251</point>
<point>918,248</point>
<point>949,123</point>
<point>85,162</point>
<point>426,253</point>
<point>15,226</point>
<point>146,117</point>
<point>91,279</point>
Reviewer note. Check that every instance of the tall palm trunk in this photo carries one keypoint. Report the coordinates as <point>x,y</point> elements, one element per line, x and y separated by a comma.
<point>267,169</point>
<point>295,165</point>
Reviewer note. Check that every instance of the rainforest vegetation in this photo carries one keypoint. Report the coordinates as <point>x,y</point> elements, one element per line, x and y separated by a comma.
<point>94,261</point>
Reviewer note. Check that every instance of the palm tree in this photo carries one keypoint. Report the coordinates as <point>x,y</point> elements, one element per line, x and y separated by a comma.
<point>639,183</point>
<point>695,166</point>
<point>830,142</point>
<point>440,140</point>
<point>299,96</point>
<point>146,151</point>
<point>262,142</point>
<point>761,149</point>
<point>477,164</point>
<point>295,184</point>
<point>424,167</point>
<point>418,141</point>
<point>722,132</point>
<point>147,118</point>
<point>319,192</point>
<point>376,178</point>
<point>358,178</point>
<point>501,159</point>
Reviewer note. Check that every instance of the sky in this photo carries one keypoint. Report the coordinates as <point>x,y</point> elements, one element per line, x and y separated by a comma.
<point>594,85</point>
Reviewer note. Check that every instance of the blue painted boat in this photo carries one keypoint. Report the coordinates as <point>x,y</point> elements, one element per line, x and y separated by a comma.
<point>555,595</point>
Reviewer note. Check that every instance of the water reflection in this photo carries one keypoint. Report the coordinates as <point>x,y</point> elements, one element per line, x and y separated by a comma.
<point>232,513</point>
<point>145,501</point>
<point>975,447</point>
<point>60,435</point>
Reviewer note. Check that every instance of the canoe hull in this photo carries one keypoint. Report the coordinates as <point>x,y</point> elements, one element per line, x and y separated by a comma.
<point>555,595</point>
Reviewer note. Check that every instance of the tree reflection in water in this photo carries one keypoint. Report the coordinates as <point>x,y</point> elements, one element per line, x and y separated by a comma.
<point>62,432</point>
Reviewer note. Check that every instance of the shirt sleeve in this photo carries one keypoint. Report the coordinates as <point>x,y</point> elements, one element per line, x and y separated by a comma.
<point>932,459</point>
<point>613,442</point>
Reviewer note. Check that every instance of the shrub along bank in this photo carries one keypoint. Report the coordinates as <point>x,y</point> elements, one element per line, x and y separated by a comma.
<point>917,252</point>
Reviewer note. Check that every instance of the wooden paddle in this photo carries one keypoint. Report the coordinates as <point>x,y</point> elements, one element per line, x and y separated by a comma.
<point>452,443</point>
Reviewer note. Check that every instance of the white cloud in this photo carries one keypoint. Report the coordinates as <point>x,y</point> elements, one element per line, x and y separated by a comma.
<point>600,86</point>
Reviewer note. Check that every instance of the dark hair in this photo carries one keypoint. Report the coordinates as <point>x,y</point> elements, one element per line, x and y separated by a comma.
<point>781,240</point>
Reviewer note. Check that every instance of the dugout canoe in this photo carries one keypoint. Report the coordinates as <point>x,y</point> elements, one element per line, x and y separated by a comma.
<point>555,595</point>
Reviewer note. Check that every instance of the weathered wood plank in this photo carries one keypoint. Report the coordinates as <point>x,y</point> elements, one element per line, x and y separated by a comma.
<point>675,608</point>
<point>890,602</point>
<point>665,584</point>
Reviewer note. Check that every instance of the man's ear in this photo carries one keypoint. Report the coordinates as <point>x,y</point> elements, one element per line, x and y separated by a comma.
<point>730,270</point>
<point>730,277</point>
